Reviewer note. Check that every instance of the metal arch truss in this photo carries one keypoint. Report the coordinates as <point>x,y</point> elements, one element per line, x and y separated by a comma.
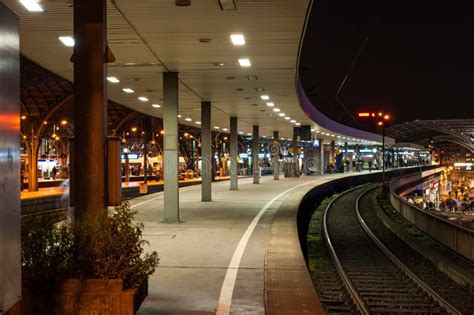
<point>458,131</point>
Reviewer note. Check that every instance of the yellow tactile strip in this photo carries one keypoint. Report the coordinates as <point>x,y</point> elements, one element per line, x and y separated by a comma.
<point>288,285</point>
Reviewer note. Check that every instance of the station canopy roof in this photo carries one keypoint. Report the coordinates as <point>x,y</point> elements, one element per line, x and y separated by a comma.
<point>152,37</point>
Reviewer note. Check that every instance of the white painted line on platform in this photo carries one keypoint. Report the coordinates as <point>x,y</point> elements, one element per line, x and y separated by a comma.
<point>227,289</point>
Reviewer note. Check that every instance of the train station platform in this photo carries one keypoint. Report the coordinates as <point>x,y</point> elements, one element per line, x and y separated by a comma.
<point>214,261</point>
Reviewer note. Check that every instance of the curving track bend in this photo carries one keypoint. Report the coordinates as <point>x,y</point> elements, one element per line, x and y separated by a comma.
<point>376,280</point>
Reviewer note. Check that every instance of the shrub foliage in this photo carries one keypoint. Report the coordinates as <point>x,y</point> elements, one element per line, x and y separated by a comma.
<point>104,246</point>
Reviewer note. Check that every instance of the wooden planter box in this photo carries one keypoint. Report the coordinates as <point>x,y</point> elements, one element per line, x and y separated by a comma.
<point>81,297</point>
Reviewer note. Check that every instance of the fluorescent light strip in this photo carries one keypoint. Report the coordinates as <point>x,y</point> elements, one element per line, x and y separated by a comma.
<point>270,104</point>
<point>156,105</point>
<point>128,90</point>
<point>143,99</point>
<point>265,97</point>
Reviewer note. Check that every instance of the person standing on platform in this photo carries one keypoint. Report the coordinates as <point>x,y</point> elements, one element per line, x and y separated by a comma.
<point>54,171</point>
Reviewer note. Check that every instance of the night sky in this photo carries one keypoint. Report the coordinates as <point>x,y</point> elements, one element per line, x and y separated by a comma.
<point>418,60</point>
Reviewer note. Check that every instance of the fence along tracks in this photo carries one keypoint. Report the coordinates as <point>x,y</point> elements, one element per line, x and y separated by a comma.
<point>376,280</point>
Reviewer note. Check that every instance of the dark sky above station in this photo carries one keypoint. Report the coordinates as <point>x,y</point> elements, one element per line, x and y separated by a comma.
<point>417,61</point>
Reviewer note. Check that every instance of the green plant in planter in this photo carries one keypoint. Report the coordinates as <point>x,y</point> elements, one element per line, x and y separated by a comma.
<point>104,246</point>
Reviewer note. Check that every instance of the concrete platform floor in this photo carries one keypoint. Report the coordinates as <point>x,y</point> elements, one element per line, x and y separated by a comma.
<point>196,254</point>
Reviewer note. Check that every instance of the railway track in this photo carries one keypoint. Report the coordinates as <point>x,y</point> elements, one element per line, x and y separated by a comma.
<point>378,282</point>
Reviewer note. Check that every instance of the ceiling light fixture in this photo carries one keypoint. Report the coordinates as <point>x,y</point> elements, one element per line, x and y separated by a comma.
<point>244,62</point>
<point>292,121</point>
<point>113,80</point>
<point>298,124</point>
<point>237,39</point>
<point>276,109</point>
<point>143,99</point>
<point>281,114</point>
<point>128,90</point>
<point>68,41</point>
<point>188,119</point>
<point>287,118</point>
<point>32,5</point>
<point>179,116</point>
<point>224,129</point>
<point>197,122</point>
<point>217,127</point>
<point>156,105</point>
<point>265,97</point>
<point>270,104</point>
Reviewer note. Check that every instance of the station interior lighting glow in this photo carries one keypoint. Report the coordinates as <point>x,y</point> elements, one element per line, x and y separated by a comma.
<point>265,97</point>
<point>156,105</point>
<point>287,118</point>
<point>68,41</point>
<point>188,119</point>
<point>128,90</point>
<point>198,122</point>
<point>31,5</point>
<point>143,99</point>
<point>276,109</point>
<point>237,39</point>
<point>270,104</point>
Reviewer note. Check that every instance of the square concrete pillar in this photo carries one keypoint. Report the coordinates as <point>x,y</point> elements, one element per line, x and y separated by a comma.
<point>206,152</point>
<point>234,148</point>
<point>321,163</point>
<point>275,153</point>
<point>170,137</point>
<point>255,150</point>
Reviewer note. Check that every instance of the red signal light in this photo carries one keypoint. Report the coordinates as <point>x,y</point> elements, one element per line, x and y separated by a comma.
<point>364,114</point>
<point>386,117</point>
<point>380,114</point>
<point>380,123</point>
<point>373,114</point>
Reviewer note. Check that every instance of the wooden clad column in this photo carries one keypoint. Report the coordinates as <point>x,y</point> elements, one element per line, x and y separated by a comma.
<point>170,126</point>
<point>90,106</point>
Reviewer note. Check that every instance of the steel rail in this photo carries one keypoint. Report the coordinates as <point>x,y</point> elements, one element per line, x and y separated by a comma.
<point>340,269</point>
<point>428,290</point>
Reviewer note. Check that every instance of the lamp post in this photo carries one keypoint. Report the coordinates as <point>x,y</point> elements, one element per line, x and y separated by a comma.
<point>382,118</point>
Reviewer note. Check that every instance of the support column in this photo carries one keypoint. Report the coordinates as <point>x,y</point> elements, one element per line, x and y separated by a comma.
<point>332,151</point>
<point>234,150</point>
<point>321,156</point>
<point>127,168</point>
<point>346,157</point>
<point>206,152</point>
<point>90,106</point>
<point>33,163</point>
<point>296,164</point>
<point>275,151</point>
<point>255,150</point>
<point>170,144</point>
